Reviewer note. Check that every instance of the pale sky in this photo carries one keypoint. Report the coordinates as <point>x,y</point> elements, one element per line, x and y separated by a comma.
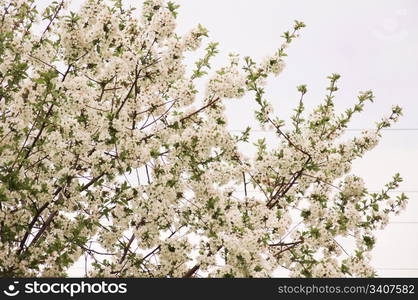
<point>373,44</point>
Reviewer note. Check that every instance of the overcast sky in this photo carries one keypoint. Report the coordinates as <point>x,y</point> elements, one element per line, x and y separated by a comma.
<point>373,45</point>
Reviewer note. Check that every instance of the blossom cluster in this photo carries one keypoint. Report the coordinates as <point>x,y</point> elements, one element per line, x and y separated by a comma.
<point>108,153</point>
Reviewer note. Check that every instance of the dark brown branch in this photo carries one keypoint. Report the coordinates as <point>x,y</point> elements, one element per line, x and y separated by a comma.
<point>245,184</point>
<point>196,267</point>
<point>148,178</point>
<point>191,272</point>
<point>287,138</point>
<point>146,256</point>
<point>45,63</point>
<point>32,223</point>
<point>280,193</point>
<point>43,228</point>
<point>52,20</point>
<point>289,247</point>
<point>90,251</point>
<point>320,180</point>
<point>160,117</point>
<point>210,103</point>
<point>281,244</point>
<point>39,132</point>
<point>129,92</point>
<point>134,85</point>
<point>125,251</point>
<point>92,181</point>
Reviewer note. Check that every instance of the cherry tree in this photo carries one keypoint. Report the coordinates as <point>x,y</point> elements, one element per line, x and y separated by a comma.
<point>109,152</point>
